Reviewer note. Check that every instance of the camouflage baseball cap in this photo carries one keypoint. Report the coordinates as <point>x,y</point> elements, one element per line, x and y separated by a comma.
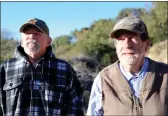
<point>40,24</point>
<point>131,23</point>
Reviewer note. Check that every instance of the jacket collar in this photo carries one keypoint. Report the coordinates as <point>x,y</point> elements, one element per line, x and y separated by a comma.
<point>20,53</point>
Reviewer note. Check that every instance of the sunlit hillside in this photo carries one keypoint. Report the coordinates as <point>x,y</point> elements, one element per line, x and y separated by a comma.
<point>159,52</point>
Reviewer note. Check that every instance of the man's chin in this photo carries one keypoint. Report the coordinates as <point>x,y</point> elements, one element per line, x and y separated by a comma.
<point>32,52</point>
<point>128,60</point>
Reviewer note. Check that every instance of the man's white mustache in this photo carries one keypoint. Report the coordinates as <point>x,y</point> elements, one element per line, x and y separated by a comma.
<point>34,42</point>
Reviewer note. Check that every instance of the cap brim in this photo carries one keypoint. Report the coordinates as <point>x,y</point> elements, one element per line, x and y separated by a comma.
<point>111,35</point>
<point>28,24</point>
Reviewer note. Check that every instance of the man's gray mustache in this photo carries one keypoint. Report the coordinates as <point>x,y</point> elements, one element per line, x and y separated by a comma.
<point>34,42</point>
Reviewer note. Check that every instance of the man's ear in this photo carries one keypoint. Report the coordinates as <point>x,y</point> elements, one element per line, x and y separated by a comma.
<point>22,38</point>
<point>49,40</point>
<point>148,42</point>
<point>21,43</point>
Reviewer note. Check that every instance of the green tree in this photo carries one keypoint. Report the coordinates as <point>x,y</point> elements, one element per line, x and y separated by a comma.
<point>62,40</point>
<point>7,48</point>
<point>130,11</point>
<point>157,21</point>
<point>80,34</point>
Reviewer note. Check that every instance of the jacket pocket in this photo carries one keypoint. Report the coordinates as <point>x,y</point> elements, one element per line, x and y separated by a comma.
<point>53,95</point>
<point>14,83</point>
<point>53,92</point>
<point>12,90</point>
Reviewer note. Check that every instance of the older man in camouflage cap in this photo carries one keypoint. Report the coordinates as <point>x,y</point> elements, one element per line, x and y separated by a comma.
<point>135,84</point>
<point>36,83</point>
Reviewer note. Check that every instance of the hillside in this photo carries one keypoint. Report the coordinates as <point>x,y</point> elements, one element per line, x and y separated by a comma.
<point>159,51</point>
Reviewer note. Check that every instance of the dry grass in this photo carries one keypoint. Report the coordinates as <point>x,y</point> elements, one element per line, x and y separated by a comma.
<point>158,52</point>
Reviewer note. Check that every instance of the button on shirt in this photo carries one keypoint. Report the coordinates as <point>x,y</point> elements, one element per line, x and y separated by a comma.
<point>95,106</point>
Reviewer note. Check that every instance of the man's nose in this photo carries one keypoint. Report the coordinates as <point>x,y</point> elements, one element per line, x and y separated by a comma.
<point>32,36</point>
<point>127,41</point>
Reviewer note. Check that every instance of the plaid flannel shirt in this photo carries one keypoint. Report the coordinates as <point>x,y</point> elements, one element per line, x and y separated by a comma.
<point>50,88</point>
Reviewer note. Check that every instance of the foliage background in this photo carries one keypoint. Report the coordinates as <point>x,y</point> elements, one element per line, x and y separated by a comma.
<point>89,49</point>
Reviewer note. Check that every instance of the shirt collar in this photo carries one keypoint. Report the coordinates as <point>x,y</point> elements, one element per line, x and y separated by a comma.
<point>141,73</point>
<point>20,53</point>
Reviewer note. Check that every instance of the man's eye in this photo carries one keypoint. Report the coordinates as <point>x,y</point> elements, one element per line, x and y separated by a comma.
<point>121,38</point>
<point>27,33</point>
<point>37,33</point>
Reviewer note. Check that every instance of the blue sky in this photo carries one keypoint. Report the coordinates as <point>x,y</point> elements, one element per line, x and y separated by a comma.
<point>61,17</point>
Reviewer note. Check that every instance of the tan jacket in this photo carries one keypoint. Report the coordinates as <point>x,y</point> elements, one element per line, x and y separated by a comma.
<point>118,98</point>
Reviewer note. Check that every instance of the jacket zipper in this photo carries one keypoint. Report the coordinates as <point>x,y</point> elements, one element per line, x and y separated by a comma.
<point>138,104</point>
<point>32,91</point>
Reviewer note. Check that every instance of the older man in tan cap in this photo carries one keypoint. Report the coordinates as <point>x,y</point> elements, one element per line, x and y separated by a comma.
<point>36,83</point>
<point>135,84</point>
